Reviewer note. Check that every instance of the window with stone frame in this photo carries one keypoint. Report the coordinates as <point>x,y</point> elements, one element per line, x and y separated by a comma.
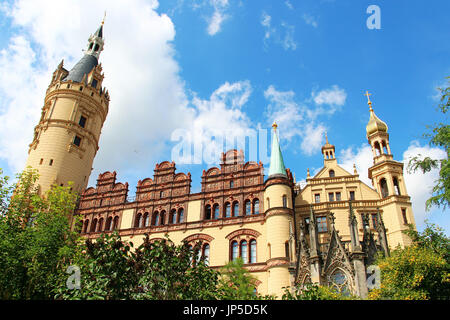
<point>322,225</point>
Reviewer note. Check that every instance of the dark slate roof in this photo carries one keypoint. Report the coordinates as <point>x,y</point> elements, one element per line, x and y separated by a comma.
<point>84,66</point>
<point>99,32</point>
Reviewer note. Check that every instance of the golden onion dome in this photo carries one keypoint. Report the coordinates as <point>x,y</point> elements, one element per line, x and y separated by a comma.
<point>375,124</point>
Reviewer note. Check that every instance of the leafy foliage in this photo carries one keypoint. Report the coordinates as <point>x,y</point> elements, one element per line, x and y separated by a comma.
<point>440,137</point>
<point>420,271</point>
<point>314,292</point>
<point>236,283</point>
<point>157,270</point>
<point>35,236</point>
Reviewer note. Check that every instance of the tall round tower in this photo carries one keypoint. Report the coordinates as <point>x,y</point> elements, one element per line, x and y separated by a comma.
<point>278,198</point>
<point>75,107</point>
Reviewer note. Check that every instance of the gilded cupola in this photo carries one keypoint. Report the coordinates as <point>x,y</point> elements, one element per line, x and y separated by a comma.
<point>375,124</point>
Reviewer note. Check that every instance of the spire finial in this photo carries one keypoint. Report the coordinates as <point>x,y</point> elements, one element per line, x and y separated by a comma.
<point>367,94</point>
<point>274,125</point>
<point>326,137</point>
<point>104,16</point>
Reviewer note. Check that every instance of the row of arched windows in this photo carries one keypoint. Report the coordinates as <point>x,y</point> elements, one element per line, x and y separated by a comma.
<point>385,190</point>
<point>231,209</point>
<point>97,225</point>
<point>246,250</point>
<point>159,218</point>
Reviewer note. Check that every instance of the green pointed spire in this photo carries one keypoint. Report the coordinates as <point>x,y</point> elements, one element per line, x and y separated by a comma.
<point>276,159</point>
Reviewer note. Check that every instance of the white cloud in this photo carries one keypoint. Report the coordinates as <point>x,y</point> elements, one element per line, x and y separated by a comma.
<point>289,5</point>
<point>362,158</point>
<point>283,35</point>
<point>419,185</point>
<point>216,121</point>
<point>296,119</point>
<point>218,16</point>
<point>333,96</point>
<point>309,19</point>
<point>139,119</point>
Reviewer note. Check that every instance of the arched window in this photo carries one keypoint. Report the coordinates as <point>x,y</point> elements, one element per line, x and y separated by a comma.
<point>155,218</point>
<point>146,219</point>
<point>216,211</point>
<point>227,210</point>
<point>86,224</point>
<point>116,223</point>
<point>208,212</point>
<point>244,251</point>
<point>109,224</point>
<point>96,47</point>
<point>256,206</point>
<point>234,250</point>
<point>181,215</point>
<point>377,147</point>
<point>93,225</point>
<point>162,218</point>
<point>248,207</point>
<point>396,186</point>
<point>383,145</point>
<point>253,251</point>
<point>331,172</point>
<point>173,216</point>
<point>235,209</point>
<point>206,253</point>
<point>100,225</point>
<point>138,222</point>
<point>384,188</point>
<point>339,281</point>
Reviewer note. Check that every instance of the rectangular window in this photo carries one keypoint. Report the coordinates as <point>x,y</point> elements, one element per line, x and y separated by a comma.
<point>77,141</point>
<point>94,83</point>
<point>338,196</point>
<point>317,198</point>
<point>352,195</point>
<point>42,160</point>
<point>51,162</point>
<point>331,196</point>
<point>405,218</point>
<point>374,220</point>
<point>231,184</point>
<point>322,224</point>
<point>82,122</point>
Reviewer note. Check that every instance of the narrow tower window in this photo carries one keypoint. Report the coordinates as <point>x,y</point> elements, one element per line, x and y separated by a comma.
<point>82,122</point>
<point>77,141</point>
<point>51,162</point>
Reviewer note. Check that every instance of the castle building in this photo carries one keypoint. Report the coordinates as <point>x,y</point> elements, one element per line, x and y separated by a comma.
<point>327,231</point>
<point>66,139</point>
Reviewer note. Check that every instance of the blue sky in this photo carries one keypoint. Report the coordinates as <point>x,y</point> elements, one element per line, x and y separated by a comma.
<point>218,66</point>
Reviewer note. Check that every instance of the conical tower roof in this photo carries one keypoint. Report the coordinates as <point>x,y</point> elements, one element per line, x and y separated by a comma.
<point>276,159</point>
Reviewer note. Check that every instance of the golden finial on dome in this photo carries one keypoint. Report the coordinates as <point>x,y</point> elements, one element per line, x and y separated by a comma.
<point>367,94</point>
<point>274,125</point>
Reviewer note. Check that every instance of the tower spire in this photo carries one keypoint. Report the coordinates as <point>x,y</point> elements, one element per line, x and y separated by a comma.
<point>90,59</point>
<point>276,159</point>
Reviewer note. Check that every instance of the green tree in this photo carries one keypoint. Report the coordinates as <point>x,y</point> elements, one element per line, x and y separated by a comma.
<point>236,283</point>
<point>156,270</point>
<point>172,272</point>
<point>107,270</point>
<point>419,271</point>
<point>440,137</point>
<point>35,236</point>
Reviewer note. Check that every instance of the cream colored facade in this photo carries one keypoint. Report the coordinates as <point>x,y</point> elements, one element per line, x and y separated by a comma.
<point>239,212</point>
<point>66,139</point>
